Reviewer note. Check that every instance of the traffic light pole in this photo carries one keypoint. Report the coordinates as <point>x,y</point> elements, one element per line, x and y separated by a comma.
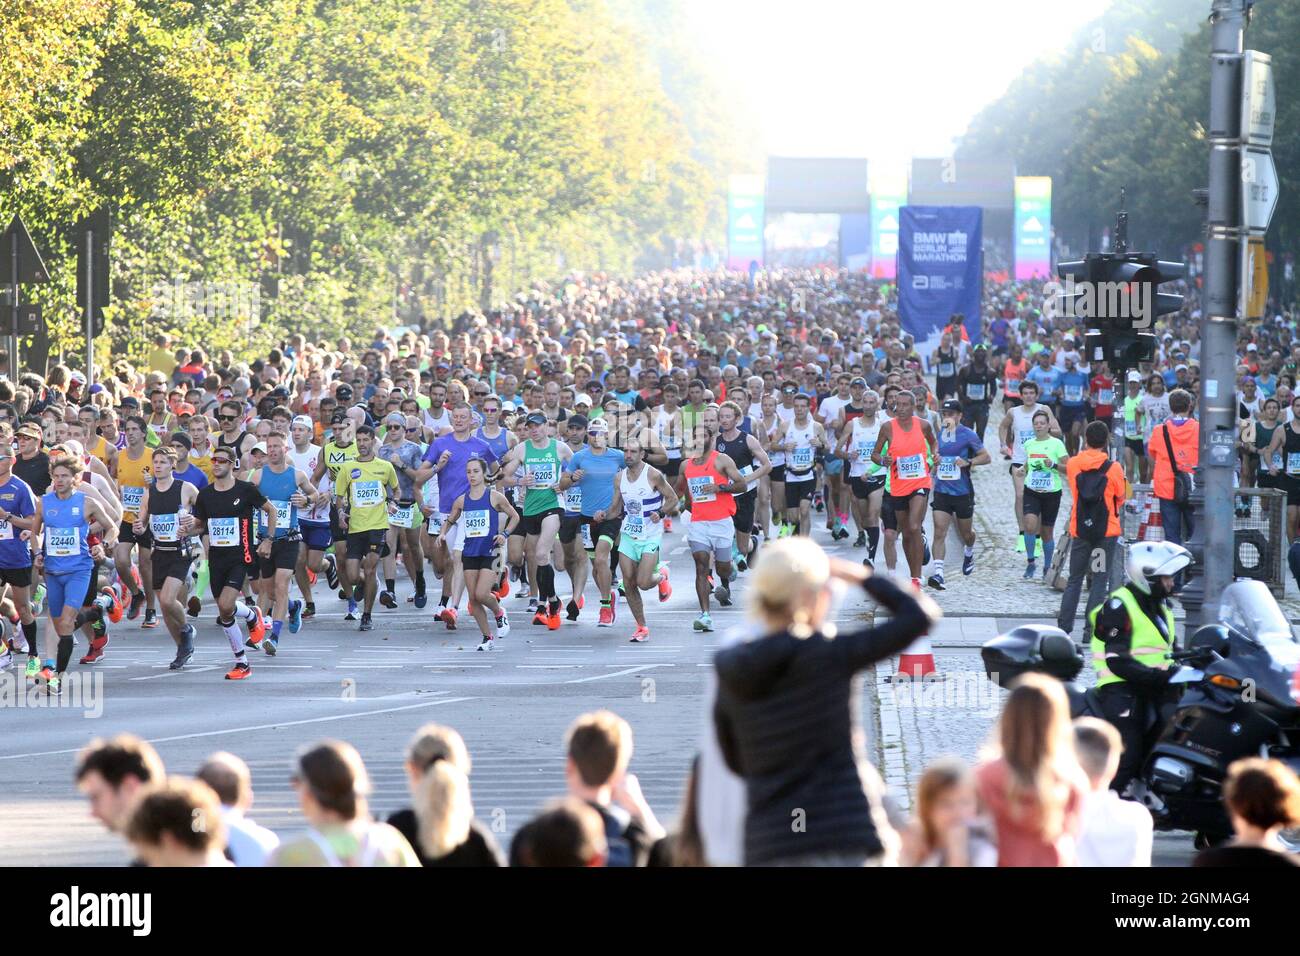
<point>90,310</point>
<point>1213,501</point>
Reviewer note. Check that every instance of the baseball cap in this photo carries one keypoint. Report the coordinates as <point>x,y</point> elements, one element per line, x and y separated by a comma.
<point>302,420</point>
<point>578,421</point>
<point>536,418</point>
<point>598,426</point>
<point>185,408</point>
<point>1180,368</point>
<point>339,418</point>
<point>344,393</point>
<point>31,430</point>
<point>1135,376</point>
<point>260,446</point>
<point>859,381</point>
<point>78,377</point>
<point>583,399</point>
<point>952,405</point>
<point>1252,347</point>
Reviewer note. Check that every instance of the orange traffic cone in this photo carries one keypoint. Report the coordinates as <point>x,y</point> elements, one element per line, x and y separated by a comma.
<point>917,659</point>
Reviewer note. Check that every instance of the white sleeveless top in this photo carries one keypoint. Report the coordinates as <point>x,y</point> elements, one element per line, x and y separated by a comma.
<point>801,460</point>
<point>640,499</point>
<point>1022,430</point>
<point>669,429</point>
<point>862,442</point>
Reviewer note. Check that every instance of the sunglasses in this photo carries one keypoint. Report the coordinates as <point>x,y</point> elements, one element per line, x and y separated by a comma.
<point>481,394</point>
<point>229,418</point>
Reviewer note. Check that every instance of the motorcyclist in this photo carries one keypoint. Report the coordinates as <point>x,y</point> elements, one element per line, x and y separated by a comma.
<point>1132,643</point>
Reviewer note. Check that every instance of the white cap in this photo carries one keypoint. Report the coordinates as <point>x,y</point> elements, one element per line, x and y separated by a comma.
<point>260,446</point>
<point>583,399</point>
<point>1135,376</point>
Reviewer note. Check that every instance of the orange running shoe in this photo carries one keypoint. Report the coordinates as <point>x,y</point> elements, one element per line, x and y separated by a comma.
<point>240,671</point>
<point>668,525</point>
<point>448,616</point>
<point>541,617</point>
<point>311,577</point>
<point>640,634</point>
<point>606,616</point>
<point>257,628</point>
<point>96,650</point>
<point>111,604</point>
<point>553,619</point>
<point>504,590</point>
<point>665,589</point>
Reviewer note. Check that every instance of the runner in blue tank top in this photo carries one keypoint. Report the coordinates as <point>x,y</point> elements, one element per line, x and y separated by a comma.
<point>68,557</point>
<point>288,490</point>
<point>478,513</point>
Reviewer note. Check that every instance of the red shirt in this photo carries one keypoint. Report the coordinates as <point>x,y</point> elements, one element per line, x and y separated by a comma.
<point>1099,384</point>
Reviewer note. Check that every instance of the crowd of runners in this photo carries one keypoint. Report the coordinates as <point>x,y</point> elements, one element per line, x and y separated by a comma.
<point>518,463</point>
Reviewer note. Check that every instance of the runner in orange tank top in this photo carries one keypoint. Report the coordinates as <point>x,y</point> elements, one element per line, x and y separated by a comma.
<point>712,479</point>
<point>1014,370</point>
<point>911,445</point>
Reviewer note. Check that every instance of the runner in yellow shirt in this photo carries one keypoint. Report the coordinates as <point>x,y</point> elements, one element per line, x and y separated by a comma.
<point>365,492</point>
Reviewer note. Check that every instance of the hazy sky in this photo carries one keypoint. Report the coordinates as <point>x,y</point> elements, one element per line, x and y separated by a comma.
<point>885,80</point>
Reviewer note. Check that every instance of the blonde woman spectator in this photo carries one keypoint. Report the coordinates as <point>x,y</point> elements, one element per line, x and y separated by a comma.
<point>1032,784</point>
<point>788,714</point>
<point>441,827</point>
<point>333,788</point>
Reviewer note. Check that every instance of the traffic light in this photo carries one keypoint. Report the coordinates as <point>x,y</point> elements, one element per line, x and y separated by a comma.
<point>1118,296</point>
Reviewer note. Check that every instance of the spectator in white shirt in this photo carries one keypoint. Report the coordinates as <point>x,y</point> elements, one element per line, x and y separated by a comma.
<point>247,844</point>
<point>1114,832</point>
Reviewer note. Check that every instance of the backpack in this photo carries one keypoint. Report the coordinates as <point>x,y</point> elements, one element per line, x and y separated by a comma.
<point>1093,514</point>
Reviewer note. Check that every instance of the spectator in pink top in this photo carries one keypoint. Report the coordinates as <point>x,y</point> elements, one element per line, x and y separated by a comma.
<point>1032,784</point>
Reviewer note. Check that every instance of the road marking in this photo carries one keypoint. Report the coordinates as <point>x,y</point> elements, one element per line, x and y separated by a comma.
<point>625,671</point>
<point>548,667</point>
<point>186,670</point>
<point>447,667</point>
<point>244,730</point>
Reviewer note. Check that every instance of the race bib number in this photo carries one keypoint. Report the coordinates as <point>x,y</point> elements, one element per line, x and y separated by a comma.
<point>1040,480</point>
<point>634,525</point>
<point>1293,463</point>
<point>802,458</point>
<point>131,498</point>
<point>1074,393</point>
<point>669,438</point>
<point>1105,396</point>
<point>404,517</point>
<point>573,500</point>
<point>6,531</point>
<point>947,370</point>
<point>747,470</point>
<point>543,472</point>
<point>1026,435</point>
<point>367,494</point>
<point>948,470</point>
<point>975,392</point>
<point>911,466</point>
<point>697,486</point>
<point>62,542</point>
<point>1130,428</point>
<point>1277,460</point>
<point>864,453</point>
<point>1013,386</point>
<point>435,523</point>
<point>476,524</point>
<point>283,515</point>
<point>163,528</point>
<point>587,543</point>
<point>223,532</point>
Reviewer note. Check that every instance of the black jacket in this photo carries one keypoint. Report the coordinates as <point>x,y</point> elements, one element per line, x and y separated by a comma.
<point>789,722</point>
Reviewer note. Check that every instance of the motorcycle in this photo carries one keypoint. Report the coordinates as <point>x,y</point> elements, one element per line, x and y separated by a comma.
<point>1241,698</point>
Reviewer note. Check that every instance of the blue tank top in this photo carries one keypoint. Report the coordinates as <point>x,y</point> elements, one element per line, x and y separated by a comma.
<point>66,532</point>
<point>278,489</point>
<point>499,445</point>
<point>479,522</point>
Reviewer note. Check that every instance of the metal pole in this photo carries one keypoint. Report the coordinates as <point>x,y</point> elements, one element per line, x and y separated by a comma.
<point>13,312</point>
<point>1213,501</point>
<point>90,308</point>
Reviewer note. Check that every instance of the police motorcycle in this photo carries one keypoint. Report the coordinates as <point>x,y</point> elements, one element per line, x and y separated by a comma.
<point>1241,698</point>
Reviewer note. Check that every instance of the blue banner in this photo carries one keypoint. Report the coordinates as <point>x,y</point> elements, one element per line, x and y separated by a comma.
<point>940,270</point>
<point>745,221</point>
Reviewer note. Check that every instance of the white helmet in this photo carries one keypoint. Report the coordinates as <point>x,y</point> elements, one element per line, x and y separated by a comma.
<point>1153,559</point>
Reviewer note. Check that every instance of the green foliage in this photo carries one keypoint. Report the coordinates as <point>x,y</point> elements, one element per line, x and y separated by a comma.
<point>355,161</point>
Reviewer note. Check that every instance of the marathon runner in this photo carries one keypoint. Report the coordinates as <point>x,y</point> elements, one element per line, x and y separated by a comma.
<point>478,515</point>
<point>593,469</point>
<point>405,457</point>
<point>289,491</point>
<point>645,498</point>
<point>906,447</point>
<point>1017,428</point>
<point>313,521</point>
<point>134,469</point>
<point>1045,462</point>
<point>366,495</point>
<point>224,511</point>
<point>340,449</point>
<point>17,508</point>
<point>166,502</point>
<point>712,479</point>
<point>800,439</point>
<point>866,478</point>
<point>747,453</point>
<point>959,450</point>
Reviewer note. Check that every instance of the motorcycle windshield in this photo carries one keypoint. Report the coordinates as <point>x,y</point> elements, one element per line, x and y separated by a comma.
<point>1249,607</point>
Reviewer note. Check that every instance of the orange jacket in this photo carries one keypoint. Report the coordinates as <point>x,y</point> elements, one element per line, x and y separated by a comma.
<point>1088,460</point>
<point>1186,439</point>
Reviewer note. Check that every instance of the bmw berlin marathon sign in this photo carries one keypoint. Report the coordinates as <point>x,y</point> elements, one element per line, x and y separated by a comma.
<point>939,269</point>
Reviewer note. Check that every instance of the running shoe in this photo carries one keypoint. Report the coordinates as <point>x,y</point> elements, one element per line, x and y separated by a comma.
<point>925,548</point>
<point>571,610</point>
<point>723,594</point>
<point>818,503</point>
<point>703,623</point>
<point>388,599</point>
<point>967,563</point>
<point>618,586</point>
<point>503,591</point>
<point>916,583</point>
<point>271,645</point>
<point>311,577</point>
<point>194,606</point>
<point>352,611</point>
<point>1030,571</point>
<point>331,572</point>
<point>257,629</point>
<point>343,594</point>
<point>869,564</point>
<point>110,605</point>
<point>448,616</point>
<point>540,618</point>
<point>606,616</point>
<point>295,616</point>
<point>33,669</point>
<point>309,610</point>
<point>240,671</point>
<point>366,623</point>
<point>640,634</point>
<point>553,619</point>
<point>38,599</point>
<point>503,624</point>
<point>420,599</point>
<point>936,582</point>
<point>53,686</point>
<point>184,653</point>
<point>96,650</point>
<point>582,602</point>
<point>150,618</point>
<point>137,605</point>
<point>485,644</point>
<point>862,540</point>
<point>46,673</point>
<point>665,589</point>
